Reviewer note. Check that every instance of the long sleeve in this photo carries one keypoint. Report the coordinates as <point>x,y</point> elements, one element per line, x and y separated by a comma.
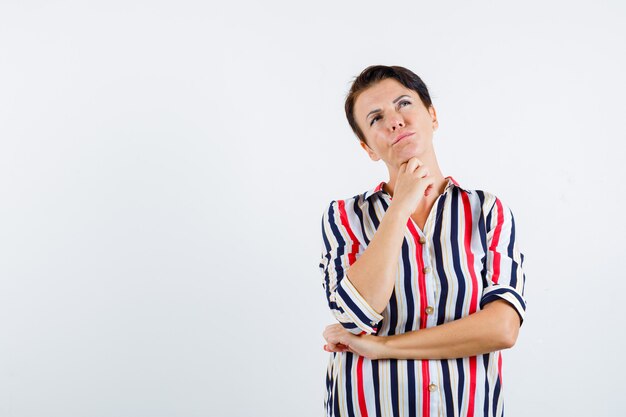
<point>503,265</point>
<point>341,249</point>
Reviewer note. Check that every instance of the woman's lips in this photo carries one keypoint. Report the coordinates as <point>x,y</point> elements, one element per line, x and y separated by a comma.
<point>406,135</point>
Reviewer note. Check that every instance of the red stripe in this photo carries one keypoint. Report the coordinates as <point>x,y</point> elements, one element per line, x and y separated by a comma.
<point>494,243</point>
<point>344,221</point>
<point>474,296</point>
<point>421,277</point>
<point>468,251</point>
<point>359,379</point>
<point>472,393</point>
<point>425,390</point>
<point>500,367</point>
<point>421,287</point>
<point>351,259</point>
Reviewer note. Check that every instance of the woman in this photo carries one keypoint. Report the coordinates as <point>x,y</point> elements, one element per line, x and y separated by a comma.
<point>423,276</point>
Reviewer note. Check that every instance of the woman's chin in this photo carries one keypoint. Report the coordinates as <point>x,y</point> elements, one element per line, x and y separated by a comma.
<point>409,152</point>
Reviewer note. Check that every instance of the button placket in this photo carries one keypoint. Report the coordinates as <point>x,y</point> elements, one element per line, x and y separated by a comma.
<point>427,270</point>
<point>429,309</point>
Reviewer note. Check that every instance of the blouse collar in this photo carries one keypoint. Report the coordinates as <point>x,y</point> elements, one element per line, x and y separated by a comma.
<point>379,188</point>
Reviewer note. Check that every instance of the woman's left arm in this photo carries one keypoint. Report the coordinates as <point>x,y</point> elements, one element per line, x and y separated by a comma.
<point>495,327</point>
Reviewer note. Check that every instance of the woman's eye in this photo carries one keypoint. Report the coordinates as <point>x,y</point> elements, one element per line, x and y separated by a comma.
<point>374,119</point>
<point>403,102</point>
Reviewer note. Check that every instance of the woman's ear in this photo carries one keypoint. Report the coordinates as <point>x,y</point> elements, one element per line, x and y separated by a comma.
<point>373,156</point>
<point>433,115</point>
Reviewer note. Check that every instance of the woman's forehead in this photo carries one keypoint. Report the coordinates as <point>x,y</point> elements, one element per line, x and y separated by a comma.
<point>380,93</point>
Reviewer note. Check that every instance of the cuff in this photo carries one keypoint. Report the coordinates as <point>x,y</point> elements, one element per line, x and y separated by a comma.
<point>509,294</point>
<point>360,312</point>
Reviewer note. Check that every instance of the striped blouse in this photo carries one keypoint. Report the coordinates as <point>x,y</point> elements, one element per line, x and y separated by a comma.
<point>465,257</point>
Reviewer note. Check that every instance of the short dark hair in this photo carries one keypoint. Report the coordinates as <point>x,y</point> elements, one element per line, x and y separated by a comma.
<point>372,75</point>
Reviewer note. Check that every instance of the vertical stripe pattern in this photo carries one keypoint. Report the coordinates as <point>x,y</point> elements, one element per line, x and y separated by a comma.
<point>465,257</point>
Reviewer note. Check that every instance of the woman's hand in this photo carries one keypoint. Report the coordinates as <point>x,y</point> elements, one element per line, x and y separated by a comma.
<point>341,340</point>
<point>414,182</point>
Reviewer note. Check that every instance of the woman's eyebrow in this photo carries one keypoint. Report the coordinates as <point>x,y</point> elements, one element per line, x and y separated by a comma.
<point>378,110</point>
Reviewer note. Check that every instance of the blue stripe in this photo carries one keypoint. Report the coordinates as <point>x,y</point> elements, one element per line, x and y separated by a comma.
<point>348,376</point>
<point>496,394</point>
<point>333,389</point>
<point>486,366</point>
<point>340,252</point>
<point>393,375</point>
<point>482,232</point>
<point>340,241</point>
<point>447,387</point>
<point>441,272</point>
<point>359,215</point>
<point>513,282</point>
<point>384,204</point>
<point>495,295</point>
<point>329,389</point>
<point>461,385</point>
<point>331,304</point>
<point>523,274</point>
<point>393,313</point>
<point>410,370</point>
<point>456,257</point>
<point>408,284</point>
<point>352,306</point>
<point>488,221</point>
<point>375,376</point>
<point>336,410</point>
<point>372,213</point>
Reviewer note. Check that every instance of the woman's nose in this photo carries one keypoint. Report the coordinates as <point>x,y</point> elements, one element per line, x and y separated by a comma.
<point>395,122</point>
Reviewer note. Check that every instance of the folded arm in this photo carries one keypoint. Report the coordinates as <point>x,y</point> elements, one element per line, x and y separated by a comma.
<point>494,327</point>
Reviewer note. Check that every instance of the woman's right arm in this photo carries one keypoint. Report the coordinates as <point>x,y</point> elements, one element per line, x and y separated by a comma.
<point>374,273</point>
<point>360,289</point>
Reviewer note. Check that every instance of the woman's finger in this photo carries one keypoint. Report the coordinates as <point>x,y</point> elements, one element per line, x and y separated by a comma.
<point>329,347</point>
<point>422,172</point>
<point>412,164</point>
<point>332,337</point>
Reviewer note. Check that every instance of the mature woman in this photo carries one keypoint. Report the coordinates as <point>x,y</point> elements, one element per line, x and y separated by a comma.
<point>423,275</point>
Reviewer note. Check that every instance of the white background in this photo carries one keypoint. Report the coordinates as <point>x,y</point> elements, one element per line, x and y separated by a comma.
<point>164,167</point>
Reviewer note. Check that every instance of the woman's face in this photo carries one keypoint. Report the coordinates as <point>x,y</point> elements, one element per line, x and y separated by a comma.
<point>396,124</point>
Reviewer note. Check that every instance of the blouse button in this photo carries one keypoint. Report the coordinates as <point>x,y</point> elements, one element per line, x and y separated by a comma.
<point>429,310</point>
<point>432,388</point>
<point>422,240</point>
<point>426,269</point>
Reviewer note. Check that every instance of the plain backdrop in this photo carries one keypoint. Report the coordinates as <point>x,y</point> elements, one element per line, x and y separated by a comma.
<point>164,166</point>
